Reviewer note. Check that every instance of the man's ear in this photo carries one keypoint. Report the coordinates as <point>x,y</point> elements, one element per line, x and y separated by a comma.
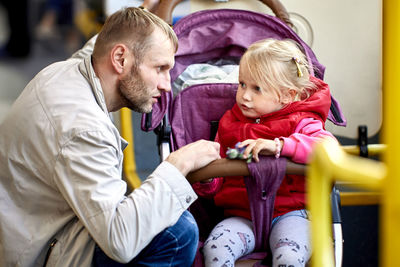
<point>119,57</point>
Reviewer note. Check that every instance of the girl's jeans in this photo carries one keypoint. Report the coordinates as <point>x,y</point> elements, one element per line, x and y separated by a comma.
<point>175,246</point>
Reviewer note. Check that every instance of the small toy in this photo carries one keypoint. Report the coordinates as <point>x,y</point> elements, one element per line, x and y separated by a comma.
<point>237,153</point>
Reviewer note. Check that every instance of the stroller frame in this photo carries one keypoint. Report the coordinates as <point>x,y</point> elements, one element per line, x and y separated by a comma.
<point>161,120</point>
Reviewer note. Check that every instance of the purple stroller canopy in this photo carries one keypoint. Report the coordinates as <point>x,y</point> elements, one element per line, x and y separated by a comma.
<point>211,102</point>
<point>226,33</point>
<point>223,33</point>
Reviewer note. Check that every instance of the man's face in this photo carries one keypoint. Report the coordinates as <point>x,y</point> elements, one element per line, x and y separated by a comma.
<point>142,87</point>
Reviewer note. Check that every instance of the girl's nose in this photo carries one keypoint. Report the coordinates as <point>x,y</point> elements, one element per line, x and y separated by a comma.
<point>246,95</point>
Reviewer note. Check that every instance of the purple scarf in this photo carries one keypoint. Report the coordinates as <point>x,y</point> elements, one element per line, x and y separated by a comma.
<point>262,185</point>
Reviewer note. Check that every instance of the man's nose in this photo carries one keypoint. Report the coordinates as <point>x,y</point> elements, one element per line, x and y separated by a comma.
<point>164,83</point>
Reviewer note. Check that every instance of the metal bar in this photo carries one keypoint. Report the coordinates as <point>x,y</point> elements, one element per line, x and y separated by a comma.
<point>373,149</point>
<point>390,211</point>
<point>330,161</point>
<point>131,176</point>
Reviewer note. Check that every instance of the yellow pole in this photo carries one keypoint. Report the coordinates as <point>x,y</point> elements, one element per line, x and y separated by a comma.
<point>318,187</point>
<point>390,211</point>
<point>131,176</point>
<point>329,162</point>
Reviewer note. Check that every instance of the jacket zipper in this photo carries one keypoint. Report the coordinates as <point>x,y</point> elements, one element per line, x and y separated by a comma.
<point>52,244</point>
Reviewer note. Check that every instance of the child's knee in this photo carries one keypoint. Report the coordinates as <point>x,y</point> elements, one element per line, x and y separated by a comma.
<point>290,254</point>
<point>288,260</point>
<point>218,253</point>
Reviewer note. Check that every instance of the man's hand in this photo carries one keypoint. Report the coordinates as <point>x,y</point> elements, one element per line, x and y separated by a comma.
<point>194,156</point>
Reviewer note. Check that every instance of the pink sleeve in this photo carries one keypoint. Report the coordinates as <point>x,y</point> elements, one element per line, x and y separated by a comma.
<point>208,190</point>
<point>299,145</point>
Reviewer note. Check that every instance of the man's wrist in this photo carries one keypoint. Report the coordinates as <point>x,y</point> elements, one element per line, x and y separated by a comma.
<point>179,164</point>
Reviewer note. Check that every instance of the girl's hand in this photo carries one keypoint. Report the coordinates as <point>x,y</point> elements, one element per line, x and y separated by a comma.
<point>260,146</point>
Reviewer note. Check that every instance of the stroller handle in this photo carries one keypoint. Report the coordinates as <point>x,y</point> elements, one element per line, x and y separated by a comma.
<point>234,167</point>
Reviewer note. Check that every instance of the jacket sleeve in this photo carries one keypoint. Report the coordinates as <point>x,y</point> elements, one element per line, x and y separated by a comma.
<point>88,175</point>
<point>299,145</point>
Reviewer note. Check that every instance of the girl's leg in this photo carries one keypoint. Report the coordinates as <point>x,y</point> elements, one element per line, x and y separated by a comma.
<point>230,239</point>
<point>290,239</point>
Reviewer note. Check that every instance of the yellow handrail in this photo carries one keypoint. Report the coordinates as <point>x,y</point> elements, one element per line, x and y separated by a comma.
<point>390,209</point>
<point>131,176</point>
<point>329,162</point>
<point>373,149</point>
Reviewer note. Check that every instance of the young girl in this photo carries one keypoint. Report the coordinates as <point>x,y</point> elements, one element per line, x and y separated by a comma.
<point>280,110</point>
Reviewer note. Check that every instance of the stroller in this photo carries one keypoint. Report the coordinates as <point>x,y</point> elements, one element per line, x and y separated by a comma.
<point>187,115</point>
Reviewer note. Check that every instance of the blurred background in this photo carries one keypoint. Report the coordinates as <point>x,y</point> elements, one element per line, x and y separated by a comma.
<point>33,34</point>
<point>36,33</point>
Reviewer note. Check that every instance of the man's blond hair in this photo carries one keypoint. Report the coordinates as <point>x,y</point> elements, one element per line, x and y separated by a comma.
<point>133,27</point>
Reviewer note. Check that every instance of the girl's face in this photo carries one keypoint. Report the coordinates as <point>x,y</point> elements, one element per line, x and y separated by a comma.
<point>253,100</point>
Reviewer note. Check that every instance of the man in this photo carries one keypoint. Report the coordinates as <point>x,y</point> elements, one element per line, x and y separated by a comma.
<point>62,199</point>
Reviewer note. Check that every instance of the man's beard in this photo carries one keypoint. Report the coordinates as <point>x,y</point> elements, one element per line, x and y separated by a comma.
<point>135,93</point>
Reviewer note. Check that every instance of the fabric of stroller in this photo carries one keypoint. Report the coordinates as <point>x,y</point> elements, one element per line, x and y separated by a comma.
<point>226,33</point>
<point>205,36</point>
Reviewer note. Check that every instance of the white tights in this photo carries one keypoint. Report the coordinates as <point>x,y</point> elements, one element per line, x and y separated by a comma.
<point>233,238</point>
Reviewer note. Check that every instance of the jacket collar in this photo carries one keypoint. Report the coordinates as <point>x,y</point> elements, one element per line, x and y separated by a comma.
<point>87,70</point>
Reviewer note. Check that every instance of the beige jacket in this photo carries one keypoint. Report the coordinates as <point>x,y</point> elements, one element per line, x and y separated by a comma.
<point>60,176</point>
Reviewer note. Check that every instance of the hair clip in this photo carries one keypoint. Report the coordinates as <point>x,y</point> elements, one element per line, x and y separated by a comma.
<point>297,62</point>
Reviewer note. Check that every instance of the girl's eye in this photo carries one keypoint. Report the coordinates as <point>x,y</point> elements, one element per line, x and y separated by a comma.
<point>242,85</point>
<point>258,88</point>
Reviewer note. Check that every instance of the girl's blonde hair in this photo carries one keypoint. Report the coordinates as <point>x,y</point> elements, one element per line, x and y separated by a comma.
<point>279,65</point>
<point>133,27</point>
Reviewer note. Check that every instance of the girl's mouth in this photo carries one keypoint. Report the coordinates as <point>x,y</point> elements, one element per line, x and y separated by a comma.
<point>244,107</point>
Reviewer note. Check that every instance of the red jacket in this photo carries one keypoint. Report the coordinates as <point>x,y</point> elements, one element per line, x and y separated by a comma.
<point>235,127</point>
